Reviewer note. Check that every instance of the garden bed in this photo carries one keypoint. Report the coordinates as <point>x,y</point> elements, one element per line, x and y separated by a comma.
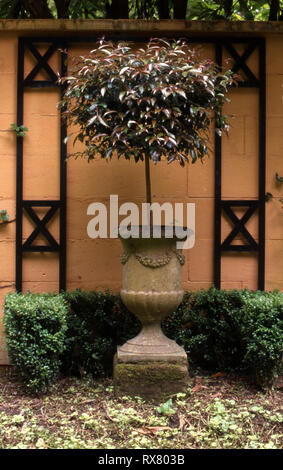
<point>218,411</point>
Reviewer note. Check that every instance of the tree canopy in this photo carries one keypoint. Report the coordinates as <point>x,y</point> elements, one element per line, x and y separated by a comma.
<point>158,100</point>
<point>253,10</point>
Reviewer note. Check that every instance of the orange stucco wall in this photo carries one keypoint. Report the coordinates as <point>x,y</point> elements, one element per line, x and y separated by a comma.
<point>95,264</point>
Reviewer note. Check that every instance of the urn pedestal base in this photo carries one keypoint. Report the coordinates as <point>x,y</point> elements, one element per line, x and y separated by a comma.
<point>151,365</point>
<point>153,381</point>
<point>151,345</point>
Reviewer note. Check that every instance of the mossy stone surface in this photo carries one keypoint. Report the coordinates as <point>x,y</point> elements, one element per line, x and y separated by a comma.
<point>151,380</point>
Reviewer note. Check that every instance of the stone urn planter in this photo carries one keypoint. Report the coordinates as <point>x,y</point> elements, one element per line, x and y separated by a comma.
<point>148,104</point>
<point>151,364</point>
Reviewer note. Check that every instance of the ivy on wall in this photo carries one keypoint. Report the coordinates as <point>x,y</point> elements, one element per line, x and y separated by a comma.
<point>4,216</point>
<point>269,196</point>
<point>20,132</point>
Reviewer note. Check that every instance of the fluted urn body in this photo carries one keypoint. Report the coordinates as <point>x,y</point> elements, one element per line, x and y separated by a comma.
<point>152,289</point>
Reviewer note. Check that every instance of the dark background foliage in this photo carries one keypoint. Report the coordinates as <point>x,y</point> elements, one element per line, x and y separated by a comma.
<point>263,10</point>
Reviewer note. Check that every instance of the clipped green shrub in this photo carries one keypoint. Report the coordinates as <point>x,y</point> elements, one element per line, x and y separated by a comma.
<point>78,332</point>
<point>231,330</point>
<point>97,322</point>
<point>35,327</point>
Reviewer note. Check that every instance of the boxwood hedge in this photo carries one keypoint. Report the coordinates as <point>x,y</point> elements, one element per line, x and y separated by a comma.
<point>78,332</point>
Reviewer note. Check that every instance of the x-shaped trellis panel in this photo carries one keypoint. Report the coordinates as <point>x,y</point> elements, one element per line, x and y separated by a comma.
<point>41,226</point>
<point>42,63</point>
<point>241,63</point>
<point>239,226</point>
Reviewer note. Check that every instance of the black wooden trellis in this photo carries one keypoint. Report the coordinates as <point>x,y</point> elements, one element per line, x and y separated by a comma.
<point>221,206</point>
<point>252,206</point>
<point>25,207</point>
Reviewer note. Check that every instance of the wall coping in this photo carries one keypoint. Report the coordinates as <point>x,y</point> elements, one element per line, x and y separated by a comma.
<point>61,26</point>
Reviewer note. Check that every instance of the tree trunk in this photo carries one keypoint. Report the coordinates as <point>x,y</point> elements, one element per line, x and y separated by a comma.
<point>108,9</point>
<point>228,8</point>
<point>148,186</point>
<point>62,8</point>
<point>245,10</point>
<point>180,9</point>
<point>163,9</point>
<point>37,8</point>
<point>274,10</point>
<point>120,9</point>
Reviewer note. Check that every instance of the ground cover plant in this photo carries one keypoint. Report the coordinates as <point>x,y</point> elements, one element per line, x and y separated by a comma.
<point>217,411</point>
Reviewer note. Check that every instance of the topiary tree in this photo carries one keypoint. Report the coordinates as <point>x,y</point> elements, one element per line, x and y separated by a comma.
<point>145,103</point>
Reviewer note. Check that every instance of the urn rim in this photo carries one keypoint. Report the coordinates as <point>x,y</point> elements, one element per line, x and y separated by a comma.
<point>175,232</point>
